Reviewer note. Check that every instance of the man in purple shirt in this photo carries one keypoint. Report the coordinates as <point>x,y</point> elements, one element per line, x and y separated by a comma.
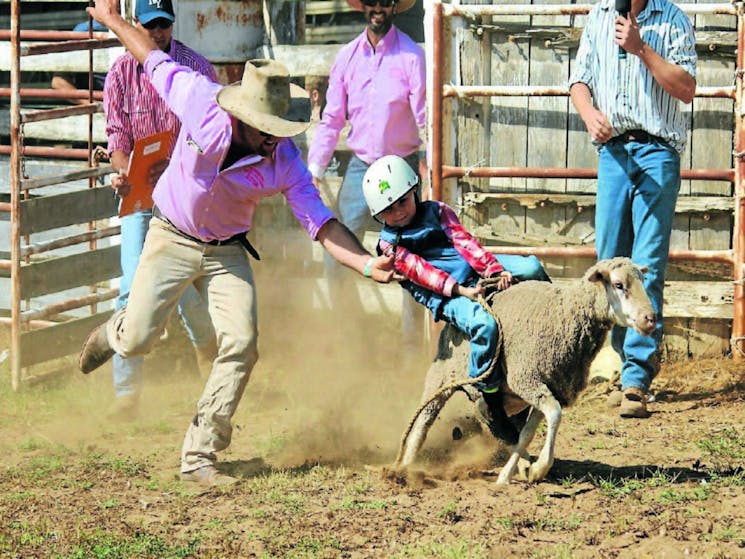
<point>233,149</point>
<point>377,82</point>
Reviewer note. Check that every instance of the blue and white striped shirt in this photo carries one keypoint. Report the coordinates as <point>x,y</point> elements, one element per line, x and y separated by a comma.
<point>624,89</point>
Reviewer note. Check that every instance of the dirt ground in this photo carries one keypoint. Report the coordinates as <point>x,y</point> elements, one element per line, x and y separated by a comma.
<point>314,436</point>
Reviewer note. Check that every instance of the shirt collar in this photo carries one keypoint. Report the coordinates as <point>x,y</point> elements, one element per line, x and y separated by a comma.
<point>385,42</point>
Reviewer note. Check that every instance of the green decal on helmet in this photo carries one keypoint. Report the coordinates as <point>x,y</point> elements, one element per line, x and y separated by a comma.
<point>386,180</point>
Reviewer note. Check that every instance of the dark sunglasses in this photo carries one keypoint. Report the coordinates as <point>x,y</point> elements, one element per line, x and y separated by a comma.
<point>158,22</point>
<point>383,3</point>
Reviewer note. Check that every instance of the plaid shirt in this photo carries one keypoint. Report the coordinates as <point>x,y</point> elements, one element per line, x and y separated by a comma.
<point>133,108</point>
<point>418,270</point>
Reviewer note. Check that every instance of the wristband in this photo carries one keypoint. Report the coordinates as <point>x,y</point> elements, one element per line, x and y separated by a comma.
<point>367,272</point>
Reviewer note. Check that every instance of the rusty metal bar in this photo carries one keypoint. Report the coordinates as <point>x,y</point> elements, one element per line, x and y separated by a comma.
<point>738,238</point>
<point>44,93</point>
<point>725,256</point>
<point>31,323</point>
<point>41,151</point>
<point>70,46</point>
<point>5,207</point>
<point>53,35</point>
<point>38,248</point>
<point>39,182</point>
<point>5,264</point>
<point>15,195</point>
<point>61,112</point>
<point>437,63</point>
<point>70,304</point>
<point>449,171</point>
<point>568,9</point>
<point>450,90</point>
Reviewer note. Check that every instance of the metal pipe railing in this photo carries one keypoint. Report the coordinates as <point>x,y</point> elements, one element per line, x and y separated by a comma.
<point>450,171</point>
<point>736,175</point>
<point>46,246</point>
<point>43,151</point>
<point>51,180</point>
<point>61,112</point>
<point>738,238</point>
<point>53,35</point>
<point>468,11</point>
<point>70,304</point>
<point>44,93</point>
<point>70,46</point>
<point>15,194</point>
<point>450,90</point>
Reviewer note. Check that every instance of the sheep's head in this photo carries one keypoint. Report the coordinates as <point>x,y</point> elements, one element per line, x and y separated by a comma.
<point>623,281</point>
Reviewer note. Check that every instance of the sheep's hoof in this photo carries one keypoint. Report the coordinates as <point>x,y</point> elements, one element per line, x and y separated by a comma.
<point>523,467</point>
<point>538,471</point>
<point>503,479</point>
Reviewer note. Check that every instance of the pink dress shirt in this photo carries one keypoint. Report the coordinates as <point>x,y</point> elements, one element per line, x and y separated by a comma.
<point>193,193</point>
<point>382,94</point>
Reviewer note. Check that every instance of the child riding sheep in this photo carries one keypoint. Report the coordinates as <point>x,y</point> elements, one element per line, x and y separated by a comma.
<point>442,264</point>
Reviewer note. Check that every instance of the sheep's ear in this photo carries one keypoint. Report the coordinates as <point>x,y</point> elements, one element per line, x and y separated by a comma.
<point>597,273</point>
<point>642,269</point>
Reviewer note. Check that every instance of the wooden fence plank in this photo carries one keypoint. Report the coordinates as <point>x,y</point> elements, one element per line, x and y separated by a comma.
<point>59,274</point>
<point>71,208</point>
<point>59,340</point>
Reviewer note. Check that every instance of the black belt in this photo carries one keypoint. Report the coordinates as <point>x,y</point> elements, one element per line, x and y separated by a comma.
<point>637,136</point>
<point>239,238</point>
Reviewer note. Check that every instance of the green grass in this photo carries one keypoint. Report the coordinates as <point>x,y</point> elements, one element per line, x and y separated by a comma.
<point>725,450</point>
<point>459,549</point>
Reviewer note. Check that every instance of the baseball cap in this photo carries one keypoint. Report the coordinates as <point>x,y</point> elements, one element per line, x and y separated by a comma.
<point>148,10</point>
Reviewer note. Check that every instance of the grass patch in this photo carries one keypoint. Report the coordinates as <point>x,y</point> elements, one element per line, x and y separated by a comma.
<point>725,450</point>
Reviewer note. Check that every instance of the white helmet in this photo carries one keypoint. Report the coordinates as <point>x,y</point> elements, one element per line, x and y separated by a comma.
<point>387,180</point>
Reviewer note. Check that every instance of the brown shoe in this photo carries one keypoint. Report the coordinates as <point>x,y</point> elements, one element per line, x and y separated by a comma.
<point>208,476</point>
<point>634,404</point>
<point>96,350</point>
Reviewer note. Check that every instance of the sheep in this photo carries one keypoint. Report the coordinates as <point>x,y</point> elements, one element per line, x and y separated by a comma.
<point>550,335</point>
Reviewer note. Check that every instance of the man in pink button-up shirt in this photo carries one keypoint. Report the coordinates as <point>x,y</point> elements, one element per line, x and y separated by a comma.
<point>233,150</point>
<point>377,83</point>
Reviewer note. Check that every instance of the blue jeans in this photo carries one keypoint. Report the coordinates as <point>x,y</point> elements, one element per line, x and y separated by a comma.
<point>193,311</point>
<point>637,188</point>
<point>353,212</point>
<point>479,325</point>
<point>483,334</point>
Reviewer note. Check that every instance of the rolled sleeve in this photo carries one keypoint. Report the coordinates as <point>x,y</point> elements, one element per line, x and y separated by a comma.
<point>304,199</point>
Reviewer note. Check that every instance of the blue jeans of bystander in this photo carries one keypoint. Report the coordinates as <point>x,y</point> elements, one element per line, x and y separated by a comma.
<point>638,186</point>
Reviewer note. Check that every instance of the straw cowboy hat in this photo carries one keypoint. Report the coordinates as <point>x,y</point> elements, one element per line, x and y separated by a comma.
<point>266,100</point>
<point>401,5</point>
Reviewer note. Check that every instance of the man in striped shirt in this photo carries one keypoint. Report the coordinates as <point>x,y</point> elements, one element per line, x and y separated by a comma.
<point>134,110</point>
<point>631,72</point>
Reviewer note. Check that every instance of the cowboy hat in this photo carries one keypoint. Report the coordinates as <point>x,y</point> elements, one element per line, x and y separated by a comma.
<point>266,100</point>
<point>401,5</point>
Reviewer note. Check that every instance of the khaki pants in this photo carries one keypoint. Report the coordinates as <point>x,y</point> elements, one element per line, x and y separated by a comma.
<point>222,275</point>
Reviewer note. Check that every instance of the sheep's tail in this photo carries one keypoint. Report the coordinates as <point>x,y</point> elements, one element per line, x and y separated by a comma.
<point>454,386</point>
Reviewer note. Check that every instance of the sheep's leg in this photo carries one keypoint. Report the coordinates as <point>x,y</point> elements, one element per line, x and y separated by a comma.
<point>520,451</point>
<point>418,432</point>
<point>551,409</point>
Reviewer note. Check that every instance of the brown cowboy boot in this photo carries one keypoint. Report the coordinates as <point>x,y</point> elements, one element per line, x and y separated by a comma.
<point>96,350</point>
